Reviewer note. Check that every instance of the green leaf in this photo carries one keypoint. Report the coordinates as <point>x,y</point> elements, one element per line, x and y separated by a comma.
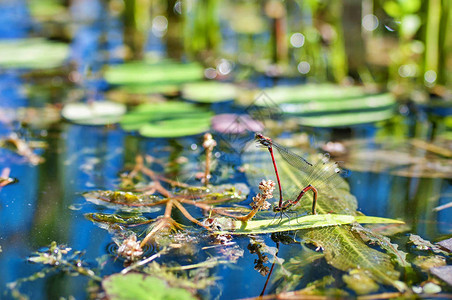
<point>346,119</point>
<point>308,93</point>
<point>209,91</point>
<point>328,105</point>
<point>177,127</point>
<point>304,222</point>
<point>362,103</point>
<point>147,73</point>
<point>136,286</point>
<point>167,119</point>
<point>32,53</point>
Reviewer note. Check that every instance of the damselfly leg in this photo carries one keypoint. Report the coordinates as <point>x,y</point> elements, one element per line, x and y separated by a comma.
<point>297,162</point>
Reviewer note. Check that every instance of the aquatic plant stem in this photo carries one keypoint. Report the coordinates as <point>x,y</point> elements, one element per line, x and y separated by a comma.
<point>208,144</point>
<point>144,261</point>
<point>188,216</point>
<point>139,166</point>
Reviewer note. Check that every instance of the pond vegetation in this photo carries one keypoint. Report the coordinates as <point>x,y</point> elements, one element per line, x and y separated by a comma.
<point>130,167</point>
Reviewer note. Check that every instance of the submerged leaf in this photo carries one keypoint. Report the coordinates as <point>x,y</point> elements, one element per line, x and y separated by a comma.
<point>126,201</point>
<point>422,244</point>
<point>360,282</point>
<point>116,219</point>
<point>345,251</point>
<point>428,262</point>
<point>384,242</point>
<point>137,286</point>
<point>217,194</point>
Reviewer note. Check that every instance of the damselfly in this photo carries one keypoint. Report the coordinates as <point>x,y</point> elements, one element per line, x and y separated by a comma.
<point>321,176</point>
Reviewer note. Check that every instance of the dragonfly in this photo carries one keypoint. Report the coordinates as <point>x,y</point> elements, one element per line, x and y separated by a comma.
<point>324,173</point>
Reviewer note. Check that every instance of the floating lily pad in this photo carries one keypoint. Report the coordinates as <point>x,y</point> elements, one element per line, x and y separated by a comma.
<point>167,119</point>
<point>327,105</point>
<point>308,93</point>
<point>32,53</point>
<point>209,91</point>
<point>138,286</point>
<point>177,128</point>
<point>346,119</point>
<point>146,77</point>
<point>362,103</point>
<point>140,89</point>
<point>94,113</point>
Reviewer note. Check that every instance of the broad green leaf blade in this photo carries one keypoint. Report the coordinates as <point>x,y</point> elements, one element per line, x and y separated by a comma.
<point>346,119</point>
<point>352,105</point>
<point>167,119</point>
<point>310,93</point>
<point>209,91</point>
<point>140,287</point>
<point>177,127</point>
<point>346,251</point>
<point>304,222</point>
<point>147,73</point>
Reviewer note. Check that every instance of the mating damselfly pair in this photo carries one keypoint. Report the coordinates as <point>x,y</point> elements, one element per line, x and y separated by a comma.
<point>322,177</point>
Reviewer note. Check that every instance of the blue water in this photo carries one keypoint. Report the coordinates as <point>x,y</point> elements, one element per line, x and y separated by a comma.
<point>36,210</point>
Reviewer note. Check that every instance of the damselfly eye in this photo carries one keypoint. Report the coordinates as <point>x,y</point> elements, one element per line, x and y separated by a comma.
<point>337,170</point>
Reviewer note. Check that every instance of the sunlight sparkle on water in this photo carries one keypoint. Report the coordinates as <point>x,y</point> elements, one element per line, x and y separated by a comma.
<point>297,40</point>
<point>304,67</point>
<point>159,26</point>
<point>370,22</point>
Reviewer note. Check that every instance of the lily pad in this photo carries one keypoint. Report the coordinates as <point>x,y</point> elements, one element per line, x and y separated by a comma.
<point>177,128</point>
<point>32,53</point>
<point>209,91</point>
<point>94,113</point>
<point>138,286</point>
<point>144,77</point>
<point>327,105</point>
<point>309,92</point>
<point>365,102</point>
<point>346,119</point>
<point>167,119</point>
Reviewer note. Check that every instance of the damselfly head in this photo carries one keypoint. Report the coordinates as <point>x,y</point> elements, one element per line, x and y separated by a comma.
<point>263,140</point>
<point>276,208</point>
